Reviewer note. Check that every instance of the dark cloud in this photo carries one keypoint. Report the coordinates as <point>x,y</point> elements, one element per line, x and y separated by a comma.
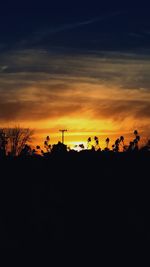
<point>56,106</point>
<point>119,110</point>
<point>30,67</point>
<point>27,111</point>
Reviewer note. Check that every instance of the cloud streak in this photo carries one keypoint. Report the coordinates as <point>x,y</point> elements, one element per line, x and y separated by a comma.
<point>71,26</point>
<point>40,86</point>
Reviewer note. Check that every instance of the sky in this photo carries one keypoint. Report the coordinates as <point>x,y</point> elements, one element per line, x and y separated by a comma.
<point>85,68</point>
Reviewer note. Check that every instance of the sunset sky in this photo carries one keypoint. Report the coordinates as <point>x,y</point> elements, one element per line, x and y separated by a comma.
<point>83,69</point>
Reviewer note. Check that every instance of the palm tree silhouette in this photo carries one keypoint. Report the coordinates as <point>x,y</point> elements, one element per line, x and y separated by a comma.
<point>135,132</point>
<point>3,142</point>
<point>131,146</point>
<point>47,145</point>
<point>122,142</point>
<point>88,142</point>
<point>136,140</point>
<point>117,142</point>
<point>122,139</point>
<point>107,142</point>
<point>96,142</point>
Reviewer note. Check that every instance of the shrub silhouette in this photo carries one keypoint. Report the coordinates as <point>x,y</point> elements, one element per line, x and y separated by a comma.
<point>81,146</point>
<point>59,148</point>
<point>146,147</point>
<point>26,151</point>
<point>134,145</point>
<point>14,142</point>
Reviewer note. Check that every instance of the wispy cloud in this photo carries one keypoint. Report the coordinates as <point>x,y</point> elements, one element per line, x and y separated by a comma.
<point>44,32</point>
<point>83,23</point>
<point>105,88</point>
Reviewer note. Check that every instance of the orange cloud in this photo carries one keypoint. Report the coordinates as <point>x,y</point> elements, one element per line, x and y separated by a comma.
<point>105,92</point>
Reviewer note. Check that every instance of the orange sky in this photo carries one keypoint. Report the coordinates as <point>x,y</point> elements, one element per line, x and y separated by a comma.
<point>105,95</point>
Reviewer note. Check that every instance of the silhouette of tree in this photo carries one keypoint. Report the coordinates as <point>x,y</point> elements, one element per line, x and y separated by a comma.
<point>96,140</point>
<point>59,148</point>
<point>78,147</point>
<point>93,148</point>
<point>81,146</point>
<point>33,152</point>
<point>89,142</point>
<point>119,142</point>
<point>136,148</point>
<point>14,141</point>
<point>116,145</point>
<point>26,151</point>
<point>47,145</point>
<point>16,138</point>
<point>39,151</point>
<point>136,140</point>
<point>122,139</point>
<point>122,143</point>
<point>107,142</point>
<point>131,147</point>
<point>135,132</point>
<point>96,143</point>
<point>146,147</point>
<point>148,143</point>
<point>3,143</point>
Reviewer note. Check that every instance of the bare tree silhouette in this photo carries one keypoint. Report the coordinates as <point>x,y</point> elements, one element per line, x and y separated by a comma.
<point>14,140</point>
<point>3,142</point>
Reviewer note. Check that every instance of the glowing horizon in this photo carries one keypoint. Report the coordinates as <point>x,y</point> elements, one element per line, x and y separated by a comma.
<point>104,94</point>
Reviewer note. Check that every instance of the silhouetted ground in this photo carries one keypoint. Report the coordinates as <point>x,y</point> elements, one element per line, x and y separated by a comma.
<point>99,200</point>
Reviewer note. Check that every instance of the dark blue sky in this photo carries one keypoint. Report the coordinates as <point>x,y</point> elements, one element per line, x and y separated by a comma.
<point>45,25</point>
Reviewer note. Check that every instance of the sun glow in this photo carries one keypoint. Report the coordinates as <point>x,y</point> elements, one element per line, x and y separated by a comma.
<point>95,97</point>
<point>77,145</point>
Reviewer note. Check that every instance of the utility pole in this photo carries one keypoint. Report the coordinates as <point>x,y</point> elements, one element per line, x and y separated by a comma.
<point>63,132</point>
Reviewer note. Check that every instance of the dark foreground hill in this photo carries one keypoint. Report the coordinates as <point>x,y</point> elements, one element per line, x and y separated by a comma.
<point>87,199</point>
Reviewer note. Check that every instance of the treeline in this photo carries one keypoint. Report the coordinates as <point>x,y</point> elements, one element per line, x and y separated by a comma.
<point>15,142</point>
